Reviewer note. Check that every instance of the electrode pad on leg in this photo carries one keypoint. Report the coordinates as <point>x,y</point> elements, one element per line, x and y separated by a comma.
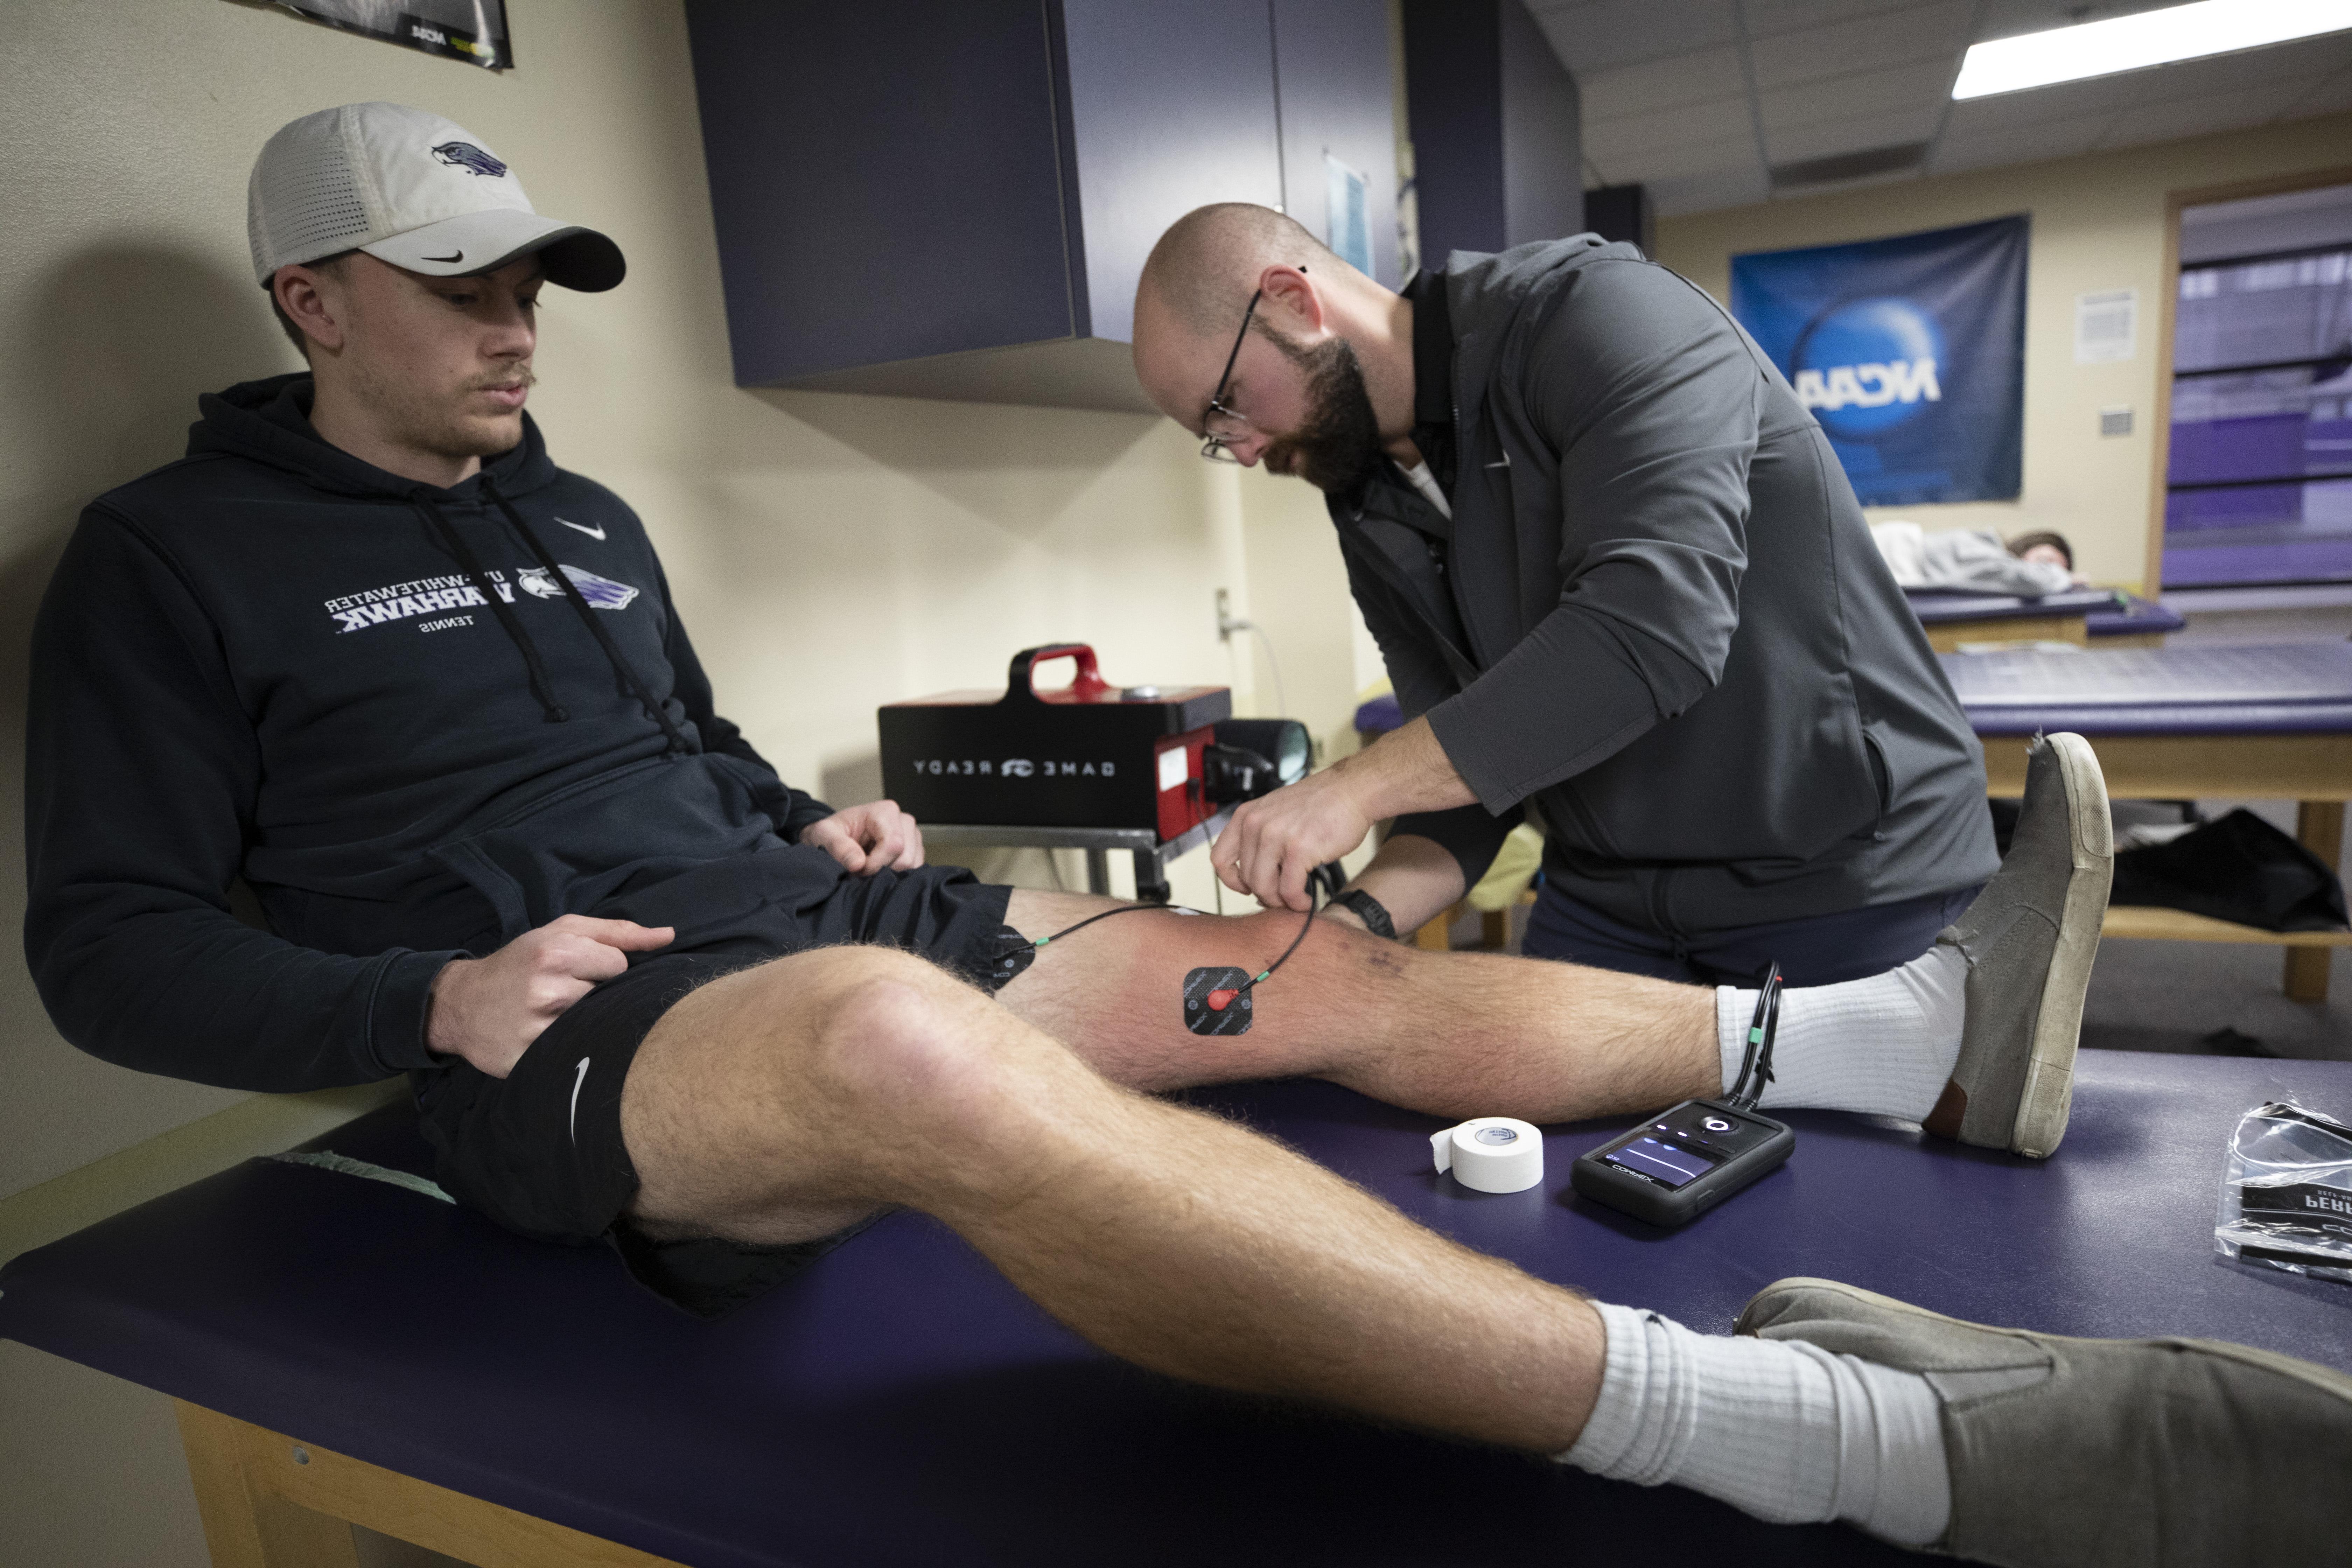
<point>1217,1001</point>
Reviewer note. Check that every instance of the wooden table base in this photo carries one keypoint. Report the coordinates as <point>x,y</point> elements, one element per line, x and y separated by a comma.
<point>2315,771</point>
<point>269,1501</point>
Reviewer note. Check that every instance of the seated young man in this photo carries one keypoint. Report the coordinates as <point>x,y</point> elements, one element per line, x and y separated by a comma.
<point>368,650</point>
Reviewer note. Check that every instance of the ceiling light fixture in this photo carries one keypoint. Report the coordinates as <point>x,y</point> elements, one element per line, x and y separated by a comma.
<point>2137,42</point>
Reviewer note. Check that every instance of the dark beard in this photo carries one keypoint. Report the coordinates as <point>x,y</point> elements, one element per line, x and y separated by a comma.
<point>1337,446</point>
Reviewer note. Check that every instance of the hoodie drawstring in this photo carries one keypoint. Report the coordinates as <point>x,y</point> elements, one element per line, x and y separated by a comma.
<point>620,665</point>
<point>540,686</point>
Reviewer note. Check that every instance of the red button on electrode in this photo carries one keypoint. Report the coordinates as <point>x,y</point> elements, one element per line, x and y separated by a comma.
<point>1218,1000</point>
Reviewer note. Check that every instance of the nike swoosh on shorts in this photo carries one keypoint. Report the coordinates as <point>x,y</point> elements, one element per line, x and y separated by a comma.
<point>580,1075</point>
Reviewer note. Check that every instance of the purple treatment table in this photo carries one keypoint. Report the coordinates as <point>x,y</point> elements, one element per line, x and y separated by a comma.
<point>2134,623</point>
<point>900,1404</point>
<point>1952,618</point>
<point>2270,722</point>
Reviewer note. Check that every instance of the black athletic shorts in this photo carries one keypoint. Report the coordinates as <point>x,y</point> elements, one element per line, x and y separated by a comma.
<point>539,1151</point>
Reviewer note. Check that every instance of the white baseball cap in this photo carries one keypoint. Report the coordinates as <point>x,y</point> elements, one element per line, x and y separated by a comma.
<point>410,188</point>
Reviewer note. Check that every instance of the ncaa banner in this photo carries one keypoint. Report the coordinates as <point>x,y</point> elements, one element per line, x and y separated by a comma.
<point>1910,352</point>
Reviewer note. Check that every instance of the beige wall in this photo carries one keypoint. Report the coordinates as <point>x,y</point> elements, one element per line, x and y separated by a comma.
<point>2098,222</point>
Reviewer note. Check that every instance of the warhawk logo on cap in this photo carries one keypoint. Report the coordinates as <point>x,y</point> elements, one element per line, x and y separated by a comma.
<point>472,159</point>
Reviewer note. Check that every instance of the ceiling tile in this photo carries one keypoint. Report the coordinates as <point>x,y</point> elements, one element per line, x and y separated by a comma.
<point>1725,120</point>
<point>1792,15</point>
<point>2009,18</point>
<point>2017,145</point>
<point>2297,61</point>
<point>2044,105</point>
<point>1708,192</point>
<point>1727,156</point>
<point>1607,33</point>
<point>1915,36</point>
<point>1661,84</point>
<point>1850,97</point>
<point>1806,143</point>
<point>2196,116</point>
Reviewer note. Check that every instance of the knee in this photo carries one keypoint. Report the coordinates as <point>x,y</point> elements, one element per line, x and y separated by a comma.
<point>896,1036</point>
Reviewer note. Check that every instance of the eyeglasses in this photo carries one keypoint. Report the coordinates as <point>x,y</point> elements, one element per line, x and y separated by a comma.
<point>1214,447</point>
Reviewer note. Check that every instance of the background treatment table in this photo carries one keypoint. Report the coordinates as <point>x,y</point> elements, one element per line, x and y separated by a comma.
<point>2101,615</point>
<point>900,1404</point>
<point>2266,722</point>
<point>1952,618</point>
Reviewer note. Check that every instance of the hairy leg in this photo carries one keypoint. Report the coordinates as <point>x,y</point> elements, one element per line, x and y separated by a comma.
<point>757,1107</point>
<point>1454,1033</point>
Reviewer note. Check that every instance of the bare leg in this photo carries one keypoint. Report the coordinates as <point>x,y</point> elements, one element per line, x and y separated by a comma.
<point>1168,1237</point>
<point>1454,1034</point>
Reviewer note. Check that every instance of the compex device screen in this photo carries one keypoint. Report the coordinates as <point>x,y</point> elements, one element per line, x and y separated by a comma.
<point>1682,1162</point>
<point>1660,1162</point>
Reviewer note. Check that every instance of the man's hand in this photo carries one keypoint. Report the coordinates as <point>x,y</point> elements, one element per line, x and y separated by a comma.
<point>489,1010</point>
<point>1275,841</point>
<point>876,836</point>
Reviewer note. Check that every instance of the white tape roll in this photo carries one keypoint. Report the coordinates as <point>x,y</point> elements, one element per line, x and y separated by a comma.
<point>1491,1153</point>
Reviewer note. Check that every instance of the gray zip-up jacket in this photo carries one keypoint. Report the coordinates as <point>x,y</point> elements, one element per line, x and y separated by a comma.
<point>1656,617</point>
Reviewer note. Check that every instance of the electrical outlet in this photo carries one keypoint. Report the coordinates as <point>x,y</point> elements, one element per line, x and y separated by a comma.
<point>1226,624</point>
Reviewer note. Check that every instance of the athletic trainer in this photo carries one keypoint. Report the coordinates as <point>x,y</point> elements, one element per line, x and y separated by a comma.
<point>1621,587</point>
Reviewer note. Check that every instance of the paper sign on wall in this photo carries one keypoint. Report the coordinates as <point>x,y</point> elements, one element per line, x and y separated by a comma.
<point>2106,326</point>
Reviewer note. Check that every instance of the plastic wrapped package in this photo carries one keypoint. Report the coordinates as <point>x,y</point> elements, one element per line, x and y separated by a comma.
<point>2286,1192</point>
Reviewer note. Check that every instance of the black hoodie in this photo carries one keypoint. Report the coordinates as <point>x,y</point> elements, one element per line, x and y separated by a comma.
<point>418,723</point>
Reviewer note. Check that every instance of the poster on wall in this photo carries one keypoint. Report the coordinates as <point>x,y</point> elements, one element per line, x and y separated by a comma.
<point>1910,352</point>
<point>471,30</point>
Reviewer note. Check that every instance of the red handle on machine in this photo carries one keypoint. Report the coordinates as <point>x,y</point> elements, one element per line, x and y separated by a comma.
<point>1022,681</point>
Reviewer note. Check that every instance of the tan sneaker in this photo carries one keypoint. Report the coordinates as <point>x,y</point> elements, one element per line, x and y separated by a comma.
<point>2067,1453</point>
<point>2029,939</point>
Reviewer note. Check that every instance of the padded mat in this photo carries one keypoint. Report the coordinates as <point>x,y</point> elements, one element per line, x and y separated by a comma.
<point>1934,605</point>
<point>2135,676</point>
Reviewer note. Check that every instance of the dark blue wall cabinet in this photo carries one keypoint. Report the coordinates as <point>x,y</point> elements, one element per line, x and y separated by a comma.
<point>1497,143</point>
<point>1337,102</point>
<point>954,198</point>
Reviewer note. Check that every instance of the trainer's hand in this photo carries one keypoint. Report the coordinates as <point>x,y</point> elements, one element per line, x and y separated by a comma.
<point>489,1010</point>
<point>876,836</point>
<point>1275,841</point>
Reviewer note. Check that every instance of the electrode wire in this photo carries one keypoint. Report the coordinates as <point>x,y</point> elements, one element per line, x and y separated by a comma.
<point>1320,881</point>
<point>1762,1028</point>
<point>1122,910</point>
<point>1316,886</point>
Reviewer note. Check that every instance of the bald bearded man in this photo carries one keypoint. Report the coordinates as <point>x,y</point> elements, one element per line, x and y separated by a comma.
<point>1621,587</point>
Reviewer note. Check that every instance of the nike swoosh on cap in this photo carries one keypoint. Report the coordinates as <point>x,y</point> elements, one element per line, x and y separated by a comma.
<point>595,533</point>
<point>459,256</point>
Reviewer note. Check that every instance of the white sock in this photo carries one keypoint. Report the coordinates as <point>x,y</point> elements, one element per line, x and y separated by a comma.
<point>1783,1430</point>
<point>1883,1046</point>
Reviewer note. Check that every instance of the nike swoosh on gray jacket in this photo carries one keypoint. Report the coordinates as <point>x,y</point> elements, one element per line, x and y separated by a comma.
<point>1683,651</point>
<point>272,660</point>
